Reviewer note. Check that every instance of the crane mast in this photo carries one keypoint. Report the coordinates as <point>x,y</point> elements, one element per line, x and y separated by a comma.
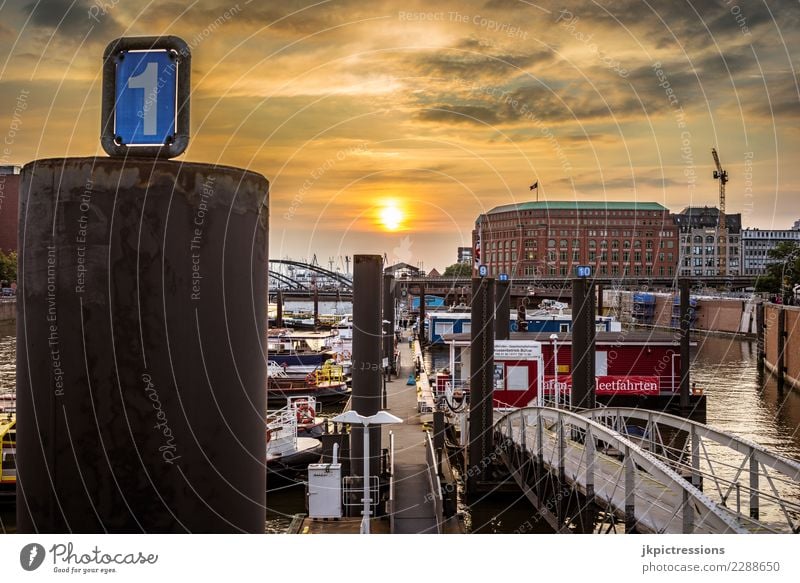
<point>722,223</point>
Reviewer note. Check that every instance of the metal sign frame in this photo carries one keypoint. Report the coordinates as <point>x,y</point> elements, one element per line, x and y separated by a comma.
<point>175,144</point>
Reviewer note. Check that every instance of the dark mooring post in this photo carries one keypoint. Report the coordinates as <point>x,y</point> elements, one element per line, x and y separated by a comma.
<point>123,265</point>
<point>583,344</point>
<point>600,305</point>
<point>367,382</point>
<point>760,335</point>
<point>279,313</point>
<point>388,316</point>
<point>316,307</point>
<point>686,331</point>
<point>481,382</point>
<point>503,310</point>
<point>422,314</point>
<point>780,365</point>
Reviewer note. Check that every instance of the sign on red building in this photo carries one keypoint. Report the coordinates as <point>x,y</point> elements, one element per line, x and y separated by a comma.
<point>608,385</point>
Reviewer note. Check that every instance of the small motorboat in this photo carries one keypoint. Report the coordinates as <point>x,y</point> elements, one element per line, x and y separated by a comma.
<point>288,455</point>
<point>327,384</point>
<point>8,447</point>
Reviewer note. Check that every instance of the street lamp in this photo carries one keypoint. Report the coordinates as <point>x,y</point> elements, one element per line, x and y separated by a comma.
<point>354,418</point>
<point>554,340</point>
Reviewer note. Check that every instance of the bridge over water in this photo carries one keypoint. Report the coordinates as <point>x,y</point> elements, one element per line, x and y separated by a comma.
<point>632,470</point>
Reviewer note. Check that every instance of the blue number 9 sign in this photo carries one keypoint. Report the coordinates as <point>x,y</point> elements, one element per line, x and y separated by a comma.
<point>146,86</point>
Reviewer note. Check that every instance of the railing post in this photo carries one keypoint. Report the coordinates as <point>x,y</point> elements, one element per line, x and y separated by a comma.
<point>630,493</point>
<point>753,485</point>
<point>696,479</point>
<point>590,451</point>
<point>561,472</point>
<point>688,513</point>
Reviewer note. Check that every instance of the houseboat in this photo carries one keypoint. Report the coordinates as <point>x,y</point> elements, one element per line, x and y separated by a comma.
<point>292,348</point>
<point>558,320</point>
<point>634,368</point>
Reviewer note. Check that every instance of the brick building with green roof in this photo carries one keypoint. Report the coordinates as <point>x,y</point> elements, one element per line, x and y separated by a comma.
<point>533,239</point>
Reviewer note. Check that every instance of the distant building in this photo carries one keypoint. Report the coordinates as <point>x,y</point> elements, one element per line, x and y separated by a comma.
<point>530,239</point>
<point>434,273</point>
<point>403,270</point>
<point>702,246</point>
<point>465,254</point>
<point>756,244</point>
<point>9,207</point>
<point>796,226</point>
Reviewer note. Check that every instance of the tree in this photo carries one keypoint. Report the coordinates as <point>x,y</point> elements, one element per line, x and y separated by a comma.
<point>8,268</point>
<point>784,273</point>
<point>458,270</point>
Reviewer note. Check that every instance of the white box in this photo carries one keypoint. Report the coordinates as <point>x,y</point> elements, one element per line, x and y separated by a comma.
<point>325,490</point>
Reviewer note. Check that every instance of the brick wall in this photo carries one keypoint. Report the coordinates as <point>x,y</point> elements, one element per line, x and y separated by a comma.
<point>792,347</point>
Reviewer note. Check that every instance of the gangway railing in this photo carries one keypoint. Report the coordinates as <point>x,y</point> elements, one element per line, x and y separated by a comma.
<point>607,469</point>
<point>759,487</point>
<point>434,482</point>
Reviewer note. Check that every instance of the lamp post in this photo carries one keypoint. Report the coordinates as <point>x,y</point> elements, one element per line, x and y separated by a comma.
<point>380,418</point>
<point>554,340</point>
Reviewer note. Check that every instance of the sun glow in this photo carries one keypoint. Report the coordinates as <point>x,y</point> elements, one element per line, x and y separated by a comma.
<point>391,216</point>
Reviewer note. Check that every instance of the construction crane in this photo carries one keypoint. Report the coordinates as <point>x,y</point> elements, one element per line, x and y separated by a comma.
<point>722,222</point>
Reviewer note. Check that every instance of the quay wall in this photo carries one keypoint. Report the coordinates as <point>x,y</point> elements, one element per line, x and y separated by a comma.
<point>726,315</point>
<point>791,351</point>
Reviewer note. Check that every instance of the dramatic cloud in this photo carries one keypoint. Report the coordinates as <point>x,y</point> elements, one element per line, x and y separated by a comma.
<point>445,109</point>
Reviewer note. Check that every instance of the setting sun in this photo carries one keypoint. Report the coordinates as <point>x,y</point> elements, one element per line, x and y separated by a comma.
<point>391,217</point>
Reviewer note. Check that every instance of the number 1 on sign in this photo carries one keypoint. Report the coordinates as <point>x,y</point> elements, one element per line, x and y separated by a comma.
<point>147,80</point>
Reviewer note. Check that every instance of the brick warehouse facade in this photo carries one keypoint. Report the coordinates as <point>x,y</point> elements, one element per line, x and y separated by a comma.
<point>9,207</point>
<point>534,239</point>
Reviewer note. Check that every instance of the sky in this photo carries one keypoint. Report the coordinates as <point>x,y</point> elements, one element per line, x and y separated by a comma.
<point>387,127</point>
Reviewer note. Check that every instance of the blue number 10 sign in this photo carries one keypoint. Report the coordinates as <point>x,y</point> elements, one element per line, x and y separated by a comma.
<point>146,97</point>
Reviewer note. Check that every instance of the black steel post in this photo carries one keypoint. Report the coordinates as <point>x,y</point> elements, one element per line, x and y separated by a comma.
<point>140,385</point>
<point>600,305</point>
<point>583,344</point>
<point>686,328</point>
<point>388,316</point>
<point>502,316</point>
<point>760,335</point>
<point>367,382</point>
<point>481,383</point>
<point>780,365</point>
<point>279,314</point>
<point>316,307</point>
<point>422,314</point>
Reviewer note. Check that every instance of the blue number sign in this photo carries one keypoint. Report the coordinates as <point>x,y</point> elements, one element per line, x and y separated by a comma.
<point>502,277</point>
<point>583,271</point>
<point>146,97</point>
<point>146,86</point>
<point>483,271</point>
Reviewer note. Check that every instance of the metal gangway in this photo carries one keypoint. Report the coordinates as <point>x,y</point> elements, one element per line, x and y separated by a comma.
<point>631,470</point>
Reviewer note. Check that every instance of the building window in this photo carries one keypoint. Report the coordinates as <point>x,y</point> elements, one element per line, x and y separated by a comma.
<point>551,243</point>
<point>576,255</point>
<point>576,243</point>
<point>562,243</point>
<point>562,256</point>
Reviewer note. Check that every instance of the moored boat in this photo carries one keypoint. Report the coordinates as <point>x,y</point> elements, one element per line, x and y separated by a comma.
<point>287,454</point>
<point>8,447</point>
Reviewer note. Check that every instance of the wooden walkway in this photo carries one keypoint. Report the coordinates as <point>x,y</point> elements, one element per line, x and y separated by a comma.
<point>413,508</point>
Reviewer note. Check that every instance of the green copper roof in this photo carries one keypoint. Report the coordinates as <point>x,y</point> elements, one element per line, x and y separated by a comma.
<point>570,205</point>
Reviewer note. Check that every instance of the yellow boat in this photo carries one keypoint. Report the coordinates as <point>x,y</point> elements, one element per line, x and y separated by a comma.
<point>8,451</point>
